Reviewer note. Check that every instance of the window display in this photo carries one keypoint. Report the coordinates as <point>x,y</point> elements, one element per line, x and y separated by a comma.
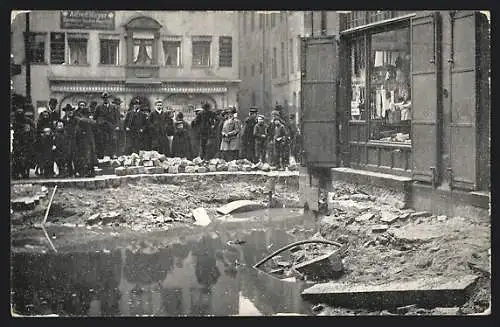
<point>358,79</point>
<point>390,93</point>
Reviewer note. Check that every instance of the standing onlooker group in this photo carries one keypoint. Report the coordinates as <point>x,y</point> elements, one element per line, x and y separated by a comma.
<point>86,133</point>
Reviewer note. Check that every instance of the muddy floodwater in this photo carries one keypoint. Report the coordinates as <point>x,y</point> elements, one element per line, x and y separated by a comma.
<point>183,271</point>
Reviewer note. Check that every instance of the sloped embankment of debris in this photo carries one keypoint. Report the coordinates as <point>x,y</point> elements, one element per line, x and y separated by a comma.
<point>389,244</point>
<point>144,205</point>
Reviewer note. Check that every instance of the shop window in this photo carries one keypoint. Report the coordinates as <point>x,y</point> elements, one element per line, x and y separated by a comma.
<point>109,52</point>
<point>390,93</point>
<point>57,48</point>
<point>37,47</point>
<point>77,45</point>
<point>201,53</point>
<point>290,50</point>
<point>274,65</point>
<point>172,51</point>
<point>225,51</point>
<point>283,61</point>
<point>358,78</point>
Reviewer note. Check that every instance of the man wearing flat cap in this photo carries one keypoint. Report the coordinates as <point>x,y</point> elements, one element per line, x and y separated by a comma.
<point>107,117</point>
<point>230,136</point>
<point>247,138</point>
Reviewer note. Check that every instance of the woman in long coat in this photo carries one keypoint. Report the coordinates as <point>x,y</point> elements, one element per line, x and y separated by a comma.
<point>230,145</point>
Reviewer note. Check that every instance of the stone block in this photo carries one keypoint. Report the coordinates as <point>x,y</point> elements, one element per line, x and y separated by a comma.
<point>426,293</point>
<point>421,214</point>
<point>190,169</point>
<point>162,157</point>
<point>222,167</point>
<point>365,217</point>
<point>100,183</point>
<point>233,168</point>
<point>137,162</point>
<point>98,171</point>
<point>121,171</point>
<point>323,267</point>
<point>202,170</point>
<point>197,161</point>
<point>90,185</point>
<point>156,162</point>
<point>141,170</point>
<point>201,217</point>
<point>154,170</point>
<point>128,162</point>
<point>212,168</point>
<point>173,169</point>
<point>388,217</point>
<point>115,163</point>
<point>265,167</point>
<point>379,228</point>
<point>148,163</point>
<point>246,168</point>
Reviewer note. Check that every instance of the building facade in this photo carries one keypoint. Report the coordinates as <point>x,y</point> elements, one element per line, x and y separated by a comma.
<point>270,59</point>
<point>185,58</point>
<point>405,94</point>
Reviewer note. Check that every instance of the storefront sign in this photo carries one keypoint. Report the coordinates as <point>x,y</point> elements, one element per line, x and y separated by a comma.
<point>88,19</point>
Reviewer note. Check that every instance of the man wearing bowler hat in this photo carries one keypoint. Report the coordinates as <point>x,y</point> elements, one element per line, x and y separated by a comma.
<point>107,118</point>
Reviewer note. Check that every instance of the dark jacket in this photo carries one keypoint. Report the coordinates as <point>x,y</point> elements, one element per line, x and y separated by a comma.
<point>260,132</point>
<point>62,141</point>
<point>247,133</point>
<point>205,122</point>
<point>107,117</point>
<point>181,144</point>
<point>135,120</point>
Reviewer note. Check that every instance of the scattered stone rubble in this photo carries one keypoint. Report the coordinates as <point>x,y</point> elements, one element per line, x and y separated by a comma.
<point>152,162</point>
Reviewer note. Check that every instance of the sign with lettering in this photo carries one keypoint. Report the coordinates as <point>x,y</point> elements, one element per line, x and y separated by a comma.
<point>88,19</point>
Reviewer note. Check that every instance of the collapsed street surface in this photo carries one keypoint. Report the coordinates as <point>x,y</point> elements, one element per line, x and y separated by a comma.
<point>385,244</point>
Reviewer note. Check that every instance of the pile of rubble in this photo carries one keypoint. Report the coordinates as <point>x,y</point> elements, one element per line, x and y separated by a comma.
<point>152,162</point>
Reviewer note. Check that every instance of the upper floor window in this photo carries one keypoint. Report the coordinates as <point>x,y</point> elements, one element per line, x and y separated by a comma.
<point>77,45</point>
<point>36,48</point>
<point>283,61</point>
<point>57,48</point>
<point>172,51</point>
<point>201,52</point>
<point>143,48</point>
<point>274,66</point>
<point>291,51</point>
<point>109,51</point>
<point>225,51</point>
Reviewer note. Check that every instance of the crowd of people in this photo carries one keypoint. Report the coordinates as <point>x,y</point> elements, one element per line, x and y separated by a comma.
<point>84,134</point>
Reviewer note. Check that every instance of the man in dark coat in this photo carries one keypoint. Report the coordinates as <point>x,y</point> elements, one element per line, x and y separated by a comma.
<point>23,154</point>
<point>247,136</point>
<point>70,122</point>
<point>260,137</point>
<point>146,135</point>
<point>85,155</point>
<point>53,113</point>
<point>135,123</point>
<point>280,136</point>
<point>46,148</point>
<point>181,143</point>
<point>194,133</point>
<point>158,127</point>
<point>107,117</point>
<point>62,146</point>
<point>44,121</point>
<point>204,122</point>
<point>170,128</point>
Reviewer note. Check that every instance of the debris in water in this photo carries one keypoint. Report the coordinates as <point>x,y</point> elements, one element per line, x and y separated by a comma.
<point>236,242</point>
<point>201,217</point>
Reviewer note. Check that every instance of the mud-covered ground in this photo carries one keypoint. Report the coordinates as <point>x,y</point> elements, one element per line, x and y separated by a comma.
<point>143,205</point>
<point>408,247</point>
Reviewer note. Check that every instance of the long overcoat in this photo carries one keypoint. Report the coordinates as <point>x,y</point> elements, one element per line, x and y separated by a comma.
<point>231,128</point>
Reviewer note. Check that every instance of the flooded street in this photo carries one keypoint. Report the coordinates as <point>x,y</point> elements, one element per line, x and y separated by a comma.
<point>183,271</point>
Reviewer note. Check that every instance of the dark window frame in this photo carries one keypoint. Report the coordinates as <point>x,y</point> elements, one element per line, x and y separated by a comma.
<point>57,48</point>
<point>116,42</point>
<point>225,51</point>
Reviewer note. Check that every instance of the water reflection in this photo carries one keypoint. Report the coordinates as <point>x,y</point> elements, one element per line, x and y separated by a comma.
<point>201,276</point>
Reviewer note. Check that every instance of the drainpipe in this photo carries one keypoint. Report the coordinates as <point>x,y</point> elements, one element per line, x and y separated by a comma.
<point>450,67</point>
<point>27,58</point>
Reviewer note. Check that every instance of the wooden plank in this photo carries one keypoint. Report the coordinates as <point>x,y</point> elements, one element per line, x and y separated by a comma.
<point>239,206</point>
<point>424,292</point>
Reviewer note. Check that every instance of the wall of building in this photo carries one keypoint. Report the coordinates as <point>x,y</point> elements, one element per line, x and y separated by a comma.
<point>185,24</point>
